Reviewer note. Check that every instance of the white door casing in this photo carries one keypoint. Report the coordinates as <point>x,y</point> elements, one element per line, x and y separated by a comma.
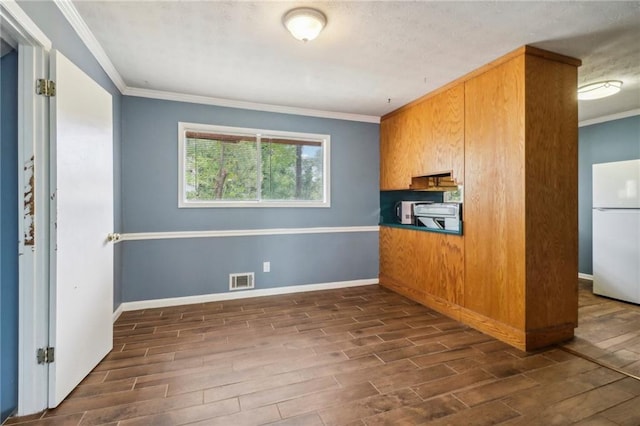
<point>33,162</point>
<point>33,194</point>
<point>81,258</point>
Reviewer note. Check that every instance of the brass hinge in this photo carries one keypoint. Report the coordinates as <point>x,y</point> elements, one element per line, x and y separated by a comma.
<point>45,87</point>
<point>45,355</point>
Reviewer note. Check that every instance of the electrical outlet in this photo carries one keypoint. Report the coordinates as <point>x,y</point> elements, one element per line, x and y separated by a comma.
<point>266,266</point>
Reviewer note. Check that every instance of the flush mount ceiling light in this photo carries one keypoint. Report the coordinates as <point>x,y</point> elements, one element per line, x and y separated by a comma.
<point>304,23</point>
<point>600,89</point>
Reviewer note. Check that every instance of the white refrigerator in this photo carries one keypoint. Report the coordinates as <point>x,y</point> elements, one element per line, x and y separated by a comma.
<point>616,230</point>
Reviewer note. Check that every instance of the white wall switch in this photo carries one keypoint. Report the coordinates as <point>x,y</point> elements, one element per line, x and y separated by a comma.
<point>266,266</point>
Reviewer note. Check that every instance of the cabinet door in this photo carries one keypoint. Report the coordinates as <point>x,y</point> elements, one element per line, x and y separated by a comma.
<point>440,269</point>
<point>425,266</point>
<point>399,261</point>
<point>425,138</point>
<point>394,152</point>
<point>438,134</point>
<point>494,208</point>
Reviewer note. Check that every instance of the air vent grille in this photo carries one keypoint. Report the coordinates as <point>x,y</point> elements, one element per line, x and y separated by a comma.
<point>241,281</point>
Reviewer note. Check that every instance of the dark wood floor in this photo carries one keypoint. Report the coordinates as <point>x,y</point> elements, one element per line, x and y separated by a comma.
<point>608,331</point>
<point>358,356</point>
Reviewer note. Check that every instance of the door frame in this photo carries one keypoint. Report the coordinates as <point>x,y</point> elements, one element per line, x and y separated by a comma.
<point>33,181</point>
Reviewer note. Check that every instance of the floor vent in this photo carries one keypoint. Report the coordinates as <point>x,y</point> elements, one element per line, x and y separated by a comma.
<point>241,281</point>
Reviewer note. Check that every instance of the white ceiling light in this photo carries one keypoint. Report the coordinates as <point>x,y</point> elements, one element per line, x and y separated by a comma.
<point>304,23</point>
<point>598,90</point>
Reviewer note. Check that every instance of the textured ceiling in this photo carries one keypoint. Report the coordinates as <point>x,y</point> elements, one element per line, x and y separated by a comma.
<point>371,58</point>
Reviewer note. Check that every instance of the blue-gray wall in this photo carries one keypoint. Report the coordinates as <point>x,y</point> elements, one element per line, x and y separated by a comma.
<point>8,234</point>
<point>50,20</point>
<point>186,267</point>
<point>616,140</point>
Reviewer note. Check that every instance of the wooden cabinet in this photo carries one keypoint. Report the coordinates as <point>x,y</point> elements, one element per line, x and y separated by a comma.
<point>423,138</point>
<point>509,131</point>
<point>394,154</point>
<point>427,267</point>
<point>399,261</point>
<point>439,134</point>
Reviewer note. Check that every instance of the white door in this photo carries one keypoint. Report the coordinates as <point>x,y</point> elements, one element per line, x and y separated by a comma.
<point>81,298</point>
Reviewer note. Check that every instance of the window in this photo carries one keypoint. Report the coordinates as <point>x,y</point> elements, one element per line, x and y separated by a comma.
<point>236,167</point>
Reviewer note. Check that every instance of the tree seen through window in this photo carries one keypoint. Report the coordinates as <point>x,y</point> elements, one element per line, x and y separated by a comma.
<point>236,167</point>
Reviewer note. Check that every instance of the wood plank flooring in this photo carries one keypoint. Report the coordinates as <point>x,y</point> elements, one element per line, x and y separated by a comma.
<point>608,331</point>
<point>356,356</point>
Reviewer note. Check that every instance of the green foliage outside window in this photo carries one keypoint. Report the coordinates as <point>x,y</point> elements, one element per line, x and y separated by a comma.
<point>219,170</point>
<point>225,168</point>
<point>291,172</point>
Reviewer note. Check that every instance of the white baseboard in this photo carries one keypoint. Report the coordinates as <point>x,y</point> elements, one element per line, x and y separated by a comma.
<point>117,312</point>
<point>215,297</point>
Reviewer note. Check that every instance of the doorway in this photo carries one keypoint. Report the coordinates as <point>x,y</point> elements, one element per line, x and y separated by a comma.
<point>58,129</point>
<point>24,294</point>
<point>8,230</point>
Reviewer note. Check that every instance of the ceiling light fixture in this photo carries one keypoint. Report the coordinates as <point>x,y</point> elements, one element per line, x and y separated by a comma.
<point>600,89</point>
<point>304,23</point>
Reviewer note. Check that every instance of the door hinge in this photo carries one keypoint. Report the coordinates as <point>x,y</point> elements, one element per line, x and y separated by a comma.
<point>45,87</point>
<point>45,355</point>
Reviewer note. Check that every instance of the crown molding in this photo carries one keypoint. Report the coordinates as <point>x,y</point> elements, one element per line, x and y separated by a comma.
<point>22,27</point>
<point>79,25</point>
<point>73,16</point>
<point>611,117</point>
<point>229,103</point>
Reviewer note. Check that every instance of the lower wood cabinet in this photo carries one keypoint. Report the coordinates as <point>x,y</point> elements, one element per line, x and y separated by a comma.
<point>427,267</point>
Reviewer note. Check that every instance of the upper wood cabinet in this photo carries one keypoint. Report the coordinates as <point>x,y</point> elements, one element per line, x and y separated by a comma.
<point>439,134</point>
<point>395,172</point>
<point>423,138</point>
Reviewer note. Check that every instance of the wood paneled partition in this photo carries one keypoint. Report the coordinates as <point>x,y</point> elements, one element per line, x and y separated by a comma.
<point>551,198</point>
<point>509,132</point>
<point>495,194</point>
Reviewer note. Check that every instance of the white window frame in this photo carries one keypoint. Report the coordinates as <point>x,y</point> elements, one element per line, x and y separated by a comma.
<point>197,127</point>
